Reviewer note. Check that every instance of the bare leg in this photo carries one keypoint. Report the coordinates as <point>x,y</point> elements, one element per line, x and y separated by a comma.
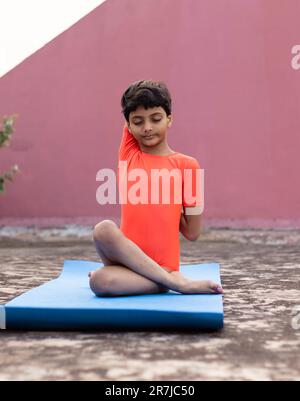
<point>113,247</point>
<point>119,280</point>
<point>118,251</point>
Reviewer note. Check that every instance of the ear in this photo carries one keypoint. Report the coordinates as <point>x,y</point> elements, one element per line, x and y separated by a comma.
<point>126,125</point>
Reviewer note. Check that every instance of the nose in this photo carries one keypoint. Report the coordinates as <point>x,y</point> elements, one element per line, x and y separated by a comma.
<point>148,126</point>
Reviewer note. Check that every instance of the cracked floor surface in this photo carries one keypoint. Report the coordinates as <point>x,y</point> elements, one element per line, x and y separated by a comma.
<point>261,339</point>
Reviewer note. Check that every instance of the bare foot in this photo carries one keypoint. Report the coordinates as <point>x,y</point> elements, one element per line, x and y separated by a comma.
<point>187,286</point>
<point>202,287</point>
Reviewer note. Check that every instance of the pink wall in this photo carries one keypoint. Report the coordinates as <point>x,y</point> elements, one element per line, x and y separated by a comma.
<point>236,102</point>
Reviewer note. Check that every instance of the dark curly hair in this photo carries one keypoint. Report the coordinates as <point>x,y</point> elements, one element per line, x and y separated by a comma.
<point>147,94</point>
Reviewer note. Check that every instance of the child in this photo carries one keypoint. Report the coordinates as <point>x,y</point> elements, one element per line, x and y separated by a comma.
<point>143,255</point>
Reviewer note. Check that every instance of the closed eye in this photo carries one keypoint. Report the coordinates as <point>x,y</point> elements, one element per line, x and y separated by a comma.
<point>139,123</point>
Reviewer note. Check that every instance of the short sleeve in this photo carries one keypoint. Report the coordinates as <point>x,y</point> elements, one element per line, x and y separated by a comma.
<point>192,185</point>
<point>129,145</point>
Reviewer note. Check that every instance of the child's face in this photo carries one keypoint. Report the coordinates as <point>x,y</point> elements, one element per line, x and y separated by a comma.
<point>149,127</point>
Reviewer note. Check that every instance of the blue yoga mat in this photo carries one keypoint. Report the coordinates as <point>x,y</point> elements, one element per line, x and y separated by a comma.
<point>67,303</point>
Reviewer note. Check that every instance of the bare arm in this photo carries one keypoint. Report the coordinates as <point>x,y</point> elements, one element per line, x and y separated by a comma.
<point>190,226</point>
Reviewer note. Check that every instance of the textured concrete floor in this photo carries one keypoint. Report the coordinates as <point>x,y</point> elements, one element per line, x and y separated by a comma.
<point>260,273</point>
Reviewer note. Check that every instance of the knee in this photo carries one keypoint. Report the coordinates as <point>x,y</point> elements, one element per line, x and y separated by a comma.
<point>104,230</point>
<point>101,283</point>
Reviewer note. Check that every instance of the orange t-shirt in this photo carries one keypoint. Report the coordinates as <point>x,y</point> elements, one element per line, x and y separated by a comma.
<point>153,227</point>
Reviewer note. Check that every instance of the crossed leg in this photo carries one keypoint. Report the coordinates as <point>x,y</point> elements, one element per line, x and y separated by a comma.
<point>115,278</point>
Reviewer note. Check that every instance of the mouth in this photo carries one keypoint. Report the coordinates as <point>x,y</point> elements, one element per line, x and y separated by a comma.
<point>148,137</point>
